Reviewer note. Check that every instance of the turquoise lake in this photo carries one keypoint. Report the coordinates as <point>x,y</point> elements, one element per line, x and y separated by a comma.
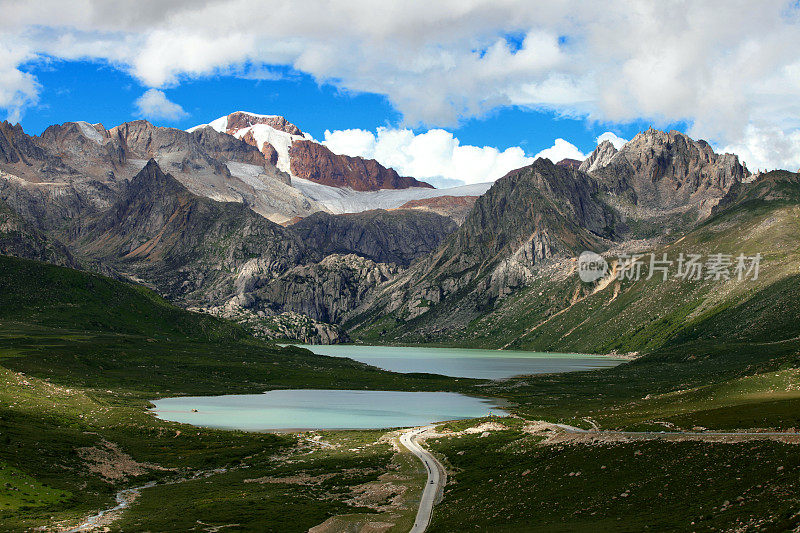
<point>466,363</point>
<point>296,409</point>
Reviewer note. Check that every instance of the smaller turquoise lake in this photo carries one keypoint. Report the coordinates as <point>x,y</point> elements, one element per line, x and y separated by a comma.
<point>300,409</point>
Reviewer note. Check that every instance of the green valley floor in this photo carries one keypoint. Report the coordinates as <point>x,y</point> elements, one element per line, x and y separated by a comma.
<point>76,380</point>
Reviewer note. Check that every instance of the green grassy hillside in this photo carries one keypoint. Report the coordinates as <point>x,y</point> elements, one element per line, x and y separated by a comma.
<point>37,293</point>
<point>509,481</point>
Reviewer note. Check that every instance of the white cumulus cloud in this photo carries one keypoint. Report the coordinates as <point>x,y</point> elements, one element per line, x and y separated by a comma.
<point>561,149</point>
<point>435,155</point>
<point>155,105</point>
<point>612,137</point>
<point>18,90</point>
<point>768,149</point>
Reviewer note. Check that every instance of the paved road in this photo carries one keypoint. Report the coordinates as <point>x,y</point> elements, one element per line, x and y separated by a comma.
<point>436,478</point>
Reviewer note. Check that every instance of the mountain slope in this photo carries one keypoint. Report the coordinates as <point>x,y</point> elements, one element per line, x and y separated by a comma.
<point>191,248</point>
<point>455,207</point>
<point>556,311</point>
<point>18,239</point>
<point>399,236</point>
<point>32,292</point>
<point>529,218</point>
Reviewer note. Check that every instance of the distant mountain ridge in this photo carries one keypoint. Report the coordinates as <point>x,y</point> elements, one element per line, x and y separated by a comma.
<point>86,165</point>
<point>192,215</point>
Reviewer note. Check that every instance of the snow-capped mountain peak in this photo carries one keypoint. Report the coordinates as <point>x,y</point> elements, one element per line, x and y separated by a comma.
<point>273,135</point>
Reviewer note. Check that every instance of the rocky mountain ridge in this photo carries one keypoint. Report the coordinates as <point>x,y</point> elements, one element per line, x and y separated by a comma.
<point>183,212</point>
<point>86,164</point>
<point>538,219</point>
<point>315,162</point>
<point>661,171</point>
<point>527,219</point>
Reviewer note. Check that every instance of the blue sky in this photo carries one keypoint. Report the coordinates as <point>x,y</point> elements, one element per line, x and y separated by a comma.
<point>97,92</point>
<point>496,74</point>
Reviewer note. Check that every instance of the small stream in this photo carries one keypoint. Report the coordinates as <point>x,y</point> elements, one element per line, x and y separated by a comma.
<point>125,497</point>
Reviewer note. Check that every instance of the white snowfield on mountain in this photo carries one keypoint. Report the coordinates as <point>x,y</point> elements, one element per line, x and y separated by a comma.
<point>337,200</point>
<point>345,200</point>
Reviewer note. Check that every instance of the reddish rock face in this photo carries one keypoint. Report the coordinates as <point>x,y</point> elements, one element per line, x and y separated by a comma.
<point>239,120</point>
<point>441,202</point>
<point>270,153</point>
<point>570,163</point>
<point>315,162</point>
<point>455,207</point>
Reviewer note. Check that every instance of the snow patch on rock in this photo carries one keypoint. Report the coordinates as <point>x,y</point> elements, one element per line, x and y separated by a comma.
<point>89,132</point>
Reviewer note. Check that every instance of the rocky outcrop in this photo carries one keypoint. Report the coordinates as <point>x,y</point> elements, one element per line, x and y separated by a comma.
<point>289,326</point>
<point>315,162</point>
<point>599,158</point>
<point>659,170</point>
<point>269,151</point>
<point>326,291</point>
<point>397,237</point>
<point>455,207</point>
<point>182,150</point>
<point>16,147</point>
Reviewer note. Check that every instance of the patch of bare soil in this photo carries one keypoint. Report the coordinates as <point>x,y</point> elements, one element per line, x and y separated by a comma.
<point>380,496</point>
<point>305,479</point>
<point>485,427</point>
<point>111,463</point>
<point>337,524</point>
